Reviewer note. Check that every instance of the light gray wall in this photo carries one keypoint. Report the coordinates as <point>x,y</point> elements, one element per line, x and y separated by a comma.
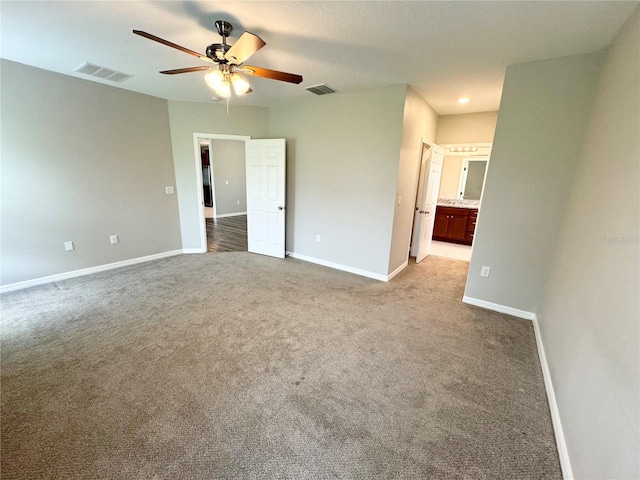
<point>419,121</point>
<point>590,312</point>
<point>81,161</point>
<point>230,180</point>
<point>543,114</point>
<point>187,118</point>
<point>342,170</point>
<point>467,128</point>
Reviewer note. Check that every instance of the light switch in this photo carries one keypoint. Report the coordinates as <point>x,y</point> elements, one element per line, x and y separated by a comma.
<point>68,246</point>
<point>168,190</point>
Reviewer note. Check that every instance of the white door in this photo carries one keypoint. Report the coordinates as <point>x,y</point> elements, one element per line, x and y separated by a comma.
<point>417,217</point>
<point>426,206</point>
<point>265,196</point>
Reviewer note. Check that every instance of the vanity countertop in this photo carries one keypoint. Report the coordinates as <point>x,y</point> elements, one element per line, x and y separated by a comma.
<point>455,203</point>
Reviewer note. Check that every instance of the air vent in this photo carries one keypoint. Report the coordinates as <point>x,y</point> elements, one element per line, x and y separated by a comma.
<point>102,72</point>
<point>321,89</point>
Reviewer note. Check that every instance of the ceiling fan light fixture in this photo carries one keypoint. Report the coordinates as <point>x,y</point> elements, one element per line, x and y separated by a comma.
<point>214,79</point>
<point>218,83</point>
<point>224,90</point>
<point>229,59</point>
<point>240,85</point>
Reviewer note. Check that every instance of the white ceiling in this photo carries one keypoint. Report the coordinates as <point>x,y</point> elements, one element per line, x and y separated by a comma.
<point>444,49</point>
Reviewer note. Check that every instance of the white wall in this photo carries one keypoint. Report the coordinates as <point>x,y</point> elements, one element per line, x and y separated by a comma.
<point>450,180</point>
<point>543,114</point>
<point>187,118</point>
<point>80,162</point>
<point>463,128</point>
<point>342,170</point>
<point>419,122</point>
<point>230,179</point>
<point>589,315</point>
<point>466,128</point>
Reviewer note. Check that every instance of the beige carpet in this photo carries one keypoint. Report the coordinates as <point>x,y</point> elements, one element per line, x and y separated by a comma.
<point>238,366</point>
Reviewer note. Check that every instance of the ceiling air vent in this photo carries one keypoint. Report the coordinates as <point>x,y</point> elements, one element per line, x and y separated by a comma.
<point>321,89</point>
<point>101,72</point>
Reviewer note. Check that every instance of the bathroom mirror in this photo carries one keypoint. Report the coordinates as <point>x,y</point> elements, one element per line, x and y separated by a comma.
<point>463,172</point>
<point>472,178</point>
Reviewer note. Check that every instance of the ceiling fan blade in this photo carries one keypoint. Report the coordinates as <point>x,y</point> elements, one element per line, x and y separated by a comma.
<point>272,74</point>
<point>186,70</point>
<point>247,45</point>
<point>171,44</point>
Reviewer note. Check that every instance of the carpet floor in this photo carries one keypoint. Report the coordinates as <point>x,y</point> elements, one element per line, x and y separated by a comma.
<point>241,366</point>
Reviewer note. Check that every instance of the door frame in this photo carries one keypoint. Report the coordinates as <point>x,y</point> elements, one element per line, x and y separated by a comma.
<point>198,160</point>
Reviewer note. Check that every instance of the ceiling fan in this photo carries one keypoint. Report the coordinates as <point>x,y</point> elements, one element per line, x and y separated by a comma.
<point>228,62</point>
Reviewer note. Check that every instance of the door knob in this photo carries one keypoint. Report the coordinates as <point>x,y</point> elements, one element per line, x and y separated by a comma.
<point>280,208</point>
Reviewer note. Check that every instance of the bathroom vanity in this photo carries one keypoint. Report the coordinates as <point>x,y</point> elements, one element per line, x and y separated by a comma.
<point>455,222</point>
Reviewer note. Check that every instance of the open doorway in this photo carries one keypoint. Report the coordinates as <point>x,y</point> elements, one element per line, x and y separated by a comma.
<point>220,166</point>
<point>461,189</point>
<point>207,184</point>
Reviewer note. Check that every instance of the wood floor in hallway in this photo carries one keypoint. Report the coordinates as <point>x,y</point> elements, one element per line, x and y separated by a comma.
<point>227,234</point>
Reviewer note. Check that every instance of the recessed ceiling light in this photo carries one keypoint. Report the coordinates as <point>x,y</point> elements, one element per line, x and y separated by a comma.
<point>463,99</point>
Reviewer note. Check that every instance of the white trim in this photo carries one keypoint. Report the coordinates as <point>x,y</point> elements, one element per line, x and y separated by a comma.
<point>565,463</point>
<point>85,271</point>
<point>194,250</point>
<point>337,266</point>
<point>499,308</point>
<point>220,136</point>
<point>474,144</point>
<point>224,215</point>
<point>397,270</point>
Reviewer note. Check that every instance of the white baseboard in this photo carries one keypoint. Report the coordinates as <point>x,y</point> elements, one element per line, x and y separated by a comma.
<point>337,266</point>
<point>85,271</point>
<point>499,308</point>
<point>397,270</point>
<point>194,250</point>
<point>565,464</point>
<point>237,214</point>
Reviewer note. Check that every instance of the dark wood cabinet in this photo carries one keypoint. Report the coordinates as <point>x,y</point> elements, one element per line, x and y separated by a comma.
<point>455,224</point>
<point>471,225</point>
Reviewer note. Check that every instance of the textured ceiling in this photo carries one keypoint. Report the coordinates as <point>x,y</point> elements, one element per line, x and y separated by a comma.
<point>444,50</point>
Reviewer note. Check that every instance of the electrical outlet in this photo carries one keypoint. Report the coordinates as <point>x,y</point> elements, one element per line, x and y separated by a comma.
<point>226,182</point>
<point>168,190</point>
<point>485,271</point>
<point>114,239</point>
<point>317,238</point>
<point>399,200</point>
<point>238,202</point>
<point>68,246</point>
